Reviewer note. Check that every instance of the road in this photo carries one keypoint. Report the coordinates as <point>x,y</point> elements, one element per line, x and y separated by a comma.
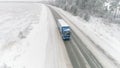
<point>79,54</point>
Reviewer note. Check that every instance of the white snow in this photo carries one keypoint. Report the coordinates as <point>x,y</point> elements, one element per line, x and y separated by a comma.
<point>105,34</point>
<point>12,20</point>
<point>23,35</point>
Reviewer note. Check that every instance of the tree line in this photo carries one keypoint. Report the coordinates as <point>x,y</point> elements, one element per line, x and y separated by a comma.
<point>85,8</point>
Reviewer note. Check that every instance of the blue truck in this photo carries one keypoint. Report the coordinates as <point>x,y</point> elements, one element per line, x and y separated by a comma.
<point>64,29</point>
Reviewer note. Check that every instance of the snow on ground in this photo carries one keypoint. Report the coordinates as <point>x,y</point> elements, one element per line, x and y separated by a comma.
<point>15,18</point>
<point>23,35</point>
<point>105,35</point>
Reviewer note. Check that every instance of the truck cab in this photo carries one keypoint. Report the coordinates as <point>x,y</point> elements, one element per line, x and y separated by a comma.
<point>66,33</point>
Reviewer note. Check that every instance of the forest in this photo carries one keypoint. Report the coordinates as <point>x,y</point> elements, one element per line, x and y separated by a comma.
<point>109,9</point>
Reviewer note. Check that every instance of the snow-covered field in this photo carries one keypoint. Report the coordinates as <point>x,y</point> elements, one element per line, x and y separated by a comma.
<point>20,35</point>
<point>16,18</point>
<point>104,35</point>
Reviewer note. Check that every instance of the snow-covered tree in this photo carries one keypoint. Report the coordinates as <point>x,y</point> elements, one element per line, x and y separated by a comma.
<point>102,8</point>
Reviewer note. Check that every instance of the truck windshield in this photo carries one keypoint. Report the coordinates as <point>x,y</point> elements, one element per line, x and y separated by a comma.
<point>66,28</point>
<point>66,31</point>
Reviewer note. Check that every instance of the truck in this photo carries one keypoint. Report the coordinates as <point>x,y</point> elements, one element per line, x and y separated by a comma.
<point>64,29</point>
